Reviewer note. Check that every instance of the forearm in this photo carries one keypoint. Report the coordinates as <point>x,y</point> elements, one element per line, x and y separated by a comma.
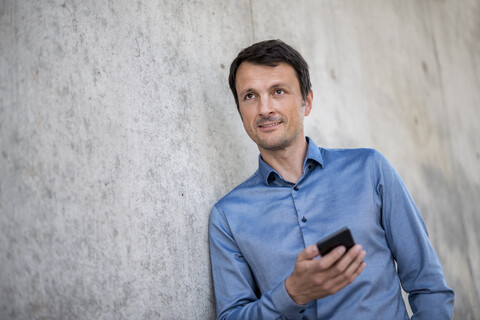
<point>237,294</point>
<point>273,304</point>
<point>432,305</point>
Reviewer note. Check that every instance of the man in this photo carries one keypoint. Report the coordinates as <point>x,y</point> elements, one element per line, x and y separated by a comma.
<point>265,263</point>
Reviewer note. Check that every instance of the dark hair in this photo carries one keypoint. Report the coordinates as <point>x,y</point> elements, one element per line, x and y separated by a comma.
<point>271,53</point>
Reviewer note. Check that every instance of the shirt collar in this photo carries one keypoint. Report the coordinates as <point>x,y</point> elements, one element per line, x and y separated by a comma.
<point>313,155</point>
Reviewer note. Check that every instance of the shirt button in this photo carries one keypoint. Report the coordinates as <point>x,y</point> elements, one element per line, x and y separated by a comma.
<point>302,311</point>
<point>295,188</point>
<point>304,219</point>
<point>309,166</point>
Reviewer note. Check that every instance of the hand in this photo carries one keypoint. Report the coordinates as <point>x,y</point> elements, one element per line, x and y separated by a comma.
<point>318,278</point>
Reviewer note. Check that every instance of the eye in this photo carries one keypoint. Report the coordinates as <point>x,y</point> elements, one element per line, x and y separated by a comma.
<point>279,91</point>
<point>249,96</point>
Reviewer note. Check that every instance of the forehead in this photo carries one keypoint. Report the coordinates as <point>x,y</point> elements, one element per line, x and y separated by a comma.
<point>258,76</point>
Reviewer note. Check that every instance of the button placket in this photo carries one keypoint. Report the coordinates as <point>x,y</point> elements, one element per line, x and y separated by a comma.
<point>301,217</point>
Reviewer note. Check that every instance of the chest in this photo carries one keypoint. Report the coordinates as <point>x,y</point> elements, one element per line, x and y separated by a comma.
<point>279,221</point>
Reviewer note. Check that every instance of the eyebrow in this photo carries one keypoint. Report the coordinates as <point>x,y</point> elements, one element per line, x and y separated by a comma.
<point>273,86</point>
<point>243,92</point>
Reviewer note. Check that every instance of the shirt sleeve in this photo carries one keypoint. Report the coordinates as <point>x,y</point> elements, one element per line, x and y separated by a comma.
<point>419,268</point>
<point>236,293</point>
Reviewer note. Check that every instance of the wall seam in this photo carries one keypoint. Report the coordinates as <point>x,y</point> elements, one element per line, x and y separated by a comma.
<point>252,24</point>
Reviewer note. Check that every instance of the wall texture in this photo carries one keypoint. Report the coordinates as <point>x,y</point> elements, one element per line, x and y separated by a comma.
<point>118,133</point>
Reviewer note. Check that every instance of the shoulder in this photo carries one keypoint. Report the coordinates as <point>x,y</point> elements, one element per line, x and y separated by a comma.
<point>350,155</point>
<point>367,160</point>
<point>240,192</point>
<point>354,162</point>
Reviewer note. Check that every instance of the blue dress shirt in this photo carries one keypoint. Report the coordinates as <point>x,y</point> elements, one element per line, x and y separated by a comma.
<point>258,229</point>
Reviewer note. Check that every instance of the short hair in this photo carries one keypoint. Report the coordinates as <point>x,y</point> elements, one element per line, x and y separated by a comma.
<point>271,53</point>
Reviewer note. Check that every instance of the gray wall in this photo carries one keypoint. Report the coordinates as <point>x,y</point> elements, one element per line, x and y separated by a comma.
<point>118,133</point>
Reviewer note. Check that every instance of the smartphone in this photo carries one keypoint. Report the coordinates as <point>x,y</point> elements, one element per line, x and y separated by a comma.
<point>342,237</point>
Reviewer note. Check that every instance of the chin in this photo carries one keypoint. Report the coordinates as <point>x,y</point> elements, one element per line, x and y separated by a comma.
<point>273,144</point>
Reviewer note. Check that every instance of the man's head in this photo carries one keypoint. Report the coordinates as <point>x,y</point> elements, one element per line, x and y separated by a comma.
<point>271,87</point>
<point>271,53</point>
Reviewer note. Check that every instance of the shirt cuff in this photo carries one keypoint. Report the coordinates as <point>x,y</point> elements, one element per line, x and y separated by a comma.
<point>285,304</point>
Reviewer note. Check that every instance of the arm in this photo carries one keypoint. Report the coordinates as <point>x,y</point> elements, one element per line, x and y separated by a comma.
<point>236,291</point>
<point>419,268</point>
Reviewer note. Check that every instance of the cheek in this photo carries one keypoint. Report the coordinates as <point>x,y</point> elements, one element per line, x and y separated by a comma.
<point>245,120</point>
<point>246,117</point>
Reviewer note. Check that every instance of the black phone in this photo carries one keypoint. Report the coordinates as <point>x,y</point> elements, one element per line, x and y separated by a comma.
<point>342,237</point>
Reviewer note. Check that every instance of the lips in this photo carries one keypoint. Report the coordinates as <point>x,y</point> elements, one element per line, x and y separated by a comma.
<point>269,121</point>
<point>268,125</point>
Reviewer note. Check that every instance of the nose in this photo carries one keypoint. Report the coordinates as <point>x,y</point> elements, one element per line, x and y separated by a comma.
<point>265,106</point>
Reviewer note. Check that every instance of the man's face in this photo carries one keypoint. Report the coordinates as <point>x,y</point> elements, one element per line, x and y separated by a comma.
<point>271,105</point>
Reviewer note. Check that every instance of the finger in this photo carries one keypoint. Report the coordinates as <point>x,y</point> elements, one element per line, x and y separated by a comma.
<point>331,258</point>
<point>360,269</point>
<point>341,280</point>
<point>309,253</point>
<point>351,257</point>
<point>349,278</point>
<point>352,269</point>
<point>347,269</point>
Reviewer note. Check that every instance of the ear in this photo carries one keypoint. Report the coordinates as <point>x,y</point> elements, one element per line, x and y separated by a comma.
<point>308,103</point>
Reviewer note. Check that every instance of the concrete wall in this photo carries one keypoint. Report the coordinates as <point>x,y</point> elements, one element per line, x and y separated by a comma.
<point>118,133</point>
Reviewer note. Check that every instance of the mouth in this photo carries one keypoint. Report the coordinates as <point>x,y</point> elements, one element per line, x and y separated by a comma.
<point>269,125</point>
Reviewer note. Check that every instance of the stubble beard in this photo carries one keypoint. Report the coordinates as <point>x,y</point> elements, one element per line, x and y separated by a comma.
<point>277,143</point>
<point>284,140</point>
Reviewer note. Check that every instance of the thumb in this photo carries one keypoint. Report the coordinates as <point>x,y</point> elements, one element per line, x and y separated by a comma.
<point>309,253</point>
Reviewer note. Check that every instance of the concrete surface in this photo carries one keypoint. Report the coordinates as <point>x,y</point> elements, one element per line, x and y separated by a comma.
<point>118,133</point>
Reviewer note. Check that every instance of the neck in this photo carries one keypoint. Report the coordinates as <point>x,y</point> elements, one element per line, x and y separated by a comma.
<point>288,162</point>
